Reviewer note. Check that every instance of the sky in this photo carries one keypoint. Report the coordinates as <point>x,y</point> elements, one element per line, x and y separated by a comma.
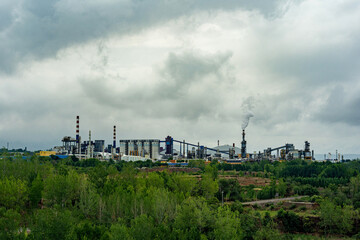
<point>192,69</point>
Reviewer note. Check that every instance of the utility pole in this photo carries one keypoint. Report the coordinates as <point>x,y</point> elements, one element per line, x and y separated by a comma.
<point>222,198</point>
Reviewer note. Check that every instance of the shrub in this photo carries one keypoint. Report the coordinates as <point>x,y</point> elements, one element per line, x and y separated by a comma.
<point>290,221</point>
<point>302,208</point>
<point>292,206</point>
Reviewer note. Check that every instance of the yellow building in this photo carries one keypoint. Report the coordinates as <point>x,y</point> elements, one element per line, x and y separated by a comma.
<point>46,153</point>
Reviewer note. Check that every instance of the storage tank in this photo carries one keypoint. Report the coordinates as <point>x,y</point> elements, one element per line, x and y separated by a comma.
<point>146,148</point>
<point>155,149</point>
<point>124,147</point>
<point>131,146</point>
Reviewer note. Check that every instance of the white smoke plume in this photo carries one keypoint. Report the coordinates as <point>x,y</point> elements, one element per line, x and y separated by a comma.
<point>246,108</point>
<point>246,120</point>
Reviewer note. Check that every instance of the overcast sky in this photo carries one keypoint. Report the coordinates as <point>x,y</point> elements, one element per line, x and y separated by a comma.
<point>191,69</point>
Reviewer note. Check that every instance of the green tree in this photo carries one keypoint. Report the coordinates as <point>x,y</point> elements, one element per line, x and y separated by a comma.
<point>98,176</point>
<point>119,231</point>
<point>197,164</point>
<point>249,225</point>
<point>281,187</point>
<point>88,202</point>
<point>163,205</point>
<point>237,206</point>
<point>354,186</point>
<point>142,227</point>
<point>35,192</point>
<point>212,170</point>
<point>290,221</point>
<point>193,216</point>
<point>13,193</point>
<point>9,224</point>
<point>89,231</point>
<point>227,224</point>
<point>56,188</point>
<point>267,233</point>
<point>208,187</point>
<point>334,218</point>
<point>52,224</point>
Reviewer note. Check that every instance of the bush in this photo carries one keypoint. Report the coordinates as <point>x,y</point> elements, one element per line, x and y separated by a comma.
<point>237,206</point>
<point>303,208</point>
<point>290,221</point>
<point>293,206</point>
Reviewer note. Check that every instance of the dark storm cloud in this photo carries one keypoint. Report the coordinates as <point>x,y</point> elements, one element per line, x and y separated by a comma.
<point>37,29</point>
<point>321,66</point>
<point>340,108</point>
<point>189,87</point>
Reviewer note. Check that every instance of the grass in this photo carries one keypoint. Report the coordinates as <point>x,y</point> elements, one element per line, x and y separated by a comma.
<point>274,213</point>
<point>313,237</point>
<point>263,212</point>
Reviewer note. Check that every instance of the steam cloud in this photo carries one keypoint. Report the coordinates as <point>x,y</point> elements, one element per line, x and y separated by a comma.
<point>246,120</point>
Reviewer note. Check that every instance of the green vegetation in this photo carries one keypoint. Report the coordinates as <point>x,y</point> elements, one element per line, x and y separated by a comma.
<point>45,198</point>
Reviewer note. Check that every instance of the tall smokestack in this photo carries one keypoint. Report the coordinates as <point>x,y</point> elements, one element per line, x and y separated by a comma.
<point>89,153</point>
<point>198,152</point>
<point>78,141</point>
<point>77,128</point>
<point>243,145</point>
<point>114,143</point>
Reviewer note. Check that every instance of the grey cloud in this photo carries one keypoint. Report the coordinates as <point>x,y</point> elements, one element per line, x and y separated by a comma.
<point>302,56</point>
<point>6,13</point>
<point>306,48</point>
<point>188,88</point>
<point>332,64</point>
<point>39,29</point>
<point>272,110</point>
<point>340,108</point>
<point>181,71</point>
<point>192,93</point>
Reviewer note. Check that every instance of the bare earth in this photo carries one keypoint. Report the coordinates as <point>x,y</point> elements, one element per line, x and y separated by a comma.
<point>246,181</point>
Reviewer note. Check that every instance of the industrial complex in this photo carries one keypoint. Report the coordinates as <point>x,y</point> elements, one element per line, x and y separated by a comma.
<point>170,149</point>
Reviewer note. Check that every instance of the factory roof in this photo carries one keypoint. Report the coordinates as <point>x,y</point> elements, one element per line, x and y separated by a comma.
<point>226,148</point>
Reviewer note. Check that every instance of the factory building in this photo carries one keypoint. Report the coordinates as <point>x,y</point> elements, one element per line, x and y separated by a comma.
<point>69,145</point>
<point>148,148</point>
<point>99,146</point>
<point>46,153</point>
<point>288,152</point>
<point>130,149</point>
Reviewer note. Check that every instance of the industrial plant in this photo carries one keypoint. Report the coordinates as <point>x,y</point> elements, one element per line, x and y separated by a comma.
<point>171,149</point>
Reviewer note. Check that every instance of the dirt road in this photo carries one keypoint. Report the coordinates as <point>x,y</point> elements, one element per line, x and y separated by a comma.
<point>275,200</point>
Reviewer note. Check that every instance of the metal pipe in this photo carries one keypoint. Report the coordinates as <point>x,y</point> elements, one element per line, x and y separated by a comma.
<point>184,148</point>
<point>212,149</point>
<point>89,146</point>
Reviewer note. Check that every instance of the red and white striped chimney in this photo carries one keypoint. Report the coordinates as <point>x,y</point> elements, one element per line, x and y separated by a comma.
<point>77,128</point>
<point>114,143</point>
